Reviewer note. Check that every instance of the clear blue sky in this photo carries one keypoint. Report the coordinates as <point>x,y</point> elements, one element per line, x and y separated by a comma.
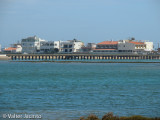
<point>86,20</point>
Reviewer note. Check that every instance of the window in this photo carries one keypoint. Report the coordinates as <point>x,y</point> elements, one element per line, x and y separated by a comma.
<point>65,46</point>
<point>65,50</point>
<point>51,44</point>
<point>98,46</point>
<point>70,50</point>
<point>70,46</point>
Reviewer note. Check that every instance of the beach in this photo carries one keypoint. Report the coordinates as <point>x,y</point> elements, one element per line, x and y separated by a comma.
<point>4,57</point>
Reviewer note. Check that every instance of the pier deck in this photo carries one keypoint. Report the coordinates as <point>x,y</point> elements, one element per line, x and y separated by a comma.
<point>82,56</point>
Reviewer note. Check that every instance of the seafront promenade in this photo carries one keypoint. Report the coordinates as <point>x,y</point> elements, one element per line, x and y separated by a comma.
<point>82,57</point>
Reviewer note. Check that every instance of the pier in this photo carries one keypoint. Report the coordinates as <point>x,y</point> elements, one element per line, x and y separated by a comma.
<point>66,57</point>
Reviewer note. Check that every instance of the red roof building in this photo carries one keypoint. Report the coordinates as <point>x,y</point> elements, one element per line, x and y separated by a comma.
<point>107,46</point>
<point>10,50</point>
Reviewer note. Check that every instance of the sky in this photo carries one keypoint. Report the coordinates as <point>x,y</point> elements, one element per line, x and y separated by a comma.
<point>91,21</point>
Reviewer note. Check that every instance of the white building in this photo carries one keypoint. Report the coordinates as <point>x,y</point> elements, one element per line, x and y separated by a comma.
<point>88,48</point>
<point>71,46</point>
<point>49,46</point>
<point>125,46</point>
<point>31,44</point>
<point>149,46</point>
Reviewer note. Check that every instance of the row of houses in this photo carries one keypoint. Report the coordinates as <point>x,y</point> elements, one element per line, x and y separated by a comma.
<point>33,45</point>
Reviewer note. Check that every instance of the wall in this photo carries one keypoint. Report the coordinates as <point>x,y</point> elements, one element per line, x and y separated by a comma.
<point>149,46</point>
<point>126,46</point>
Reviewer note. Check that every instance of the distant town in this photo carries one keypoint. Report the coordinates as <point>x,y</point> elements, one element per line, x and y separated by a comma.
<point>36,45</point>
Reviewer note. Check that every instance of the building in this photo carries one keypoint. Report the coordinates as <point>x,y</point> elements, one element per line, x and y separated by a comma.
<point>15,48</point>
<point>31,44</point>
<point>88,48</point>
<point>18,47</point>
<point>49,46</point>
<point>71,46</point>
<point>106,47</point>
<point>91,45</point>
<point>130,46</point>
<point>124,47</point>
<point>149,46</point>
<point>9,50</point>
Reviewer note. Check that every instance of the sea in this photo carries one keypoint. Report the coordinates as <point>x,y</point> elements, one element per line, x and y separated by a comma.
<point>68,91</point>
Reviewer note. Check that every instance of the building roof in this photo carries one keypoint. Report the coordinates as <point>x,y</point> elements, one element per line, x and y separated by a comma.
<point>31,39</point>
<point>9,49</point>
<point>104,49</point>
<point>137,43</point>
<point>108,42</point>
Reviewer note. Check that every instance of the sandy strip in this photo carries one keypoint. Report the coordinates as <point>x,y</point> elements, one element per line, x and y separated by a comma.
<point>3,57</point>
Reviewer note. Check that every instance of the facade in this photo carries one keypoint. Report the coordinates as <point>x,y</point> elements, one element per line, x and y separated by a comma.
<point>106,47</point>
<point>71,46</point>
<point>130,46</point>
<point>88,48</point>
<point>91,45</point>
<point>10,50</point>
<point>18,47</point>
<point>15,48</point>
<point>36,45</point>
<point>49,46</point>
<point>142,47</point>
<point>124,47</point>
<point>149,46</point>
<point>31,44</point>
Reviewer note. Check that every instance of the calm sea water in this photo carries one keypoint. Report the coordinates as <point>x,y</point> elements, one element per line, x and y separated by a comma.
<point>70,90</point>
